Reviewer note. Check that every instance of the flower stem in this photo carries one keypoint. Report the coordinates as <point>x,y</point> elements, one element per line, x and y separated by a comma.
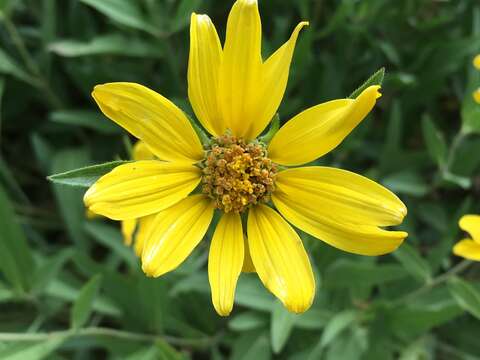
<point>435,282</point>
<point>113,333</point>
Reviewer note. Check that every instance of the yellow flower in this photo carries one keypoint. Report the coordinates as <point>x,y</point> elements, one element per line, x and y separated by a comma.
<point>235,94</point>
<point>476,96</point>
<point>135,228</point>
<point>469,248</point>
<point>476,62</point>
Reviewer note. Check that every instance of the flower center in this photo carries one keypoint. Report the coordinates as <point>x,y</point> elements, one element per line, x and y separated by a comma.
<point>236,174</point>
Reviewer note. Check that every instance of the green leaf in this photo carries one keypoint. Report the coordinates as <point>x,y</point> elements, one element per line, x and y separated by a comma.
<point>337,324</point>
<point>375,79</point>
<point>281,326</point>
<point>124,12</point>
<point>346,273</point>
<point>413,263</point>
<point>29,351</point>
<point>9,66</point>
<point>406,182</point>
<point>470,109</point>
<point>86,176</point>
<point>167,352</point>
<point>313,319</point>
<point>16,262</point>
<point>63,291</point>
<point>465,295</point>
<point>252,294</point>
<point>434,140</point>
<point>82,307</point>
<point>69,199</point>
<point>85,118</point>
<point>274,126</point>
<point>182,15</point>
<point>248,320</point>
<point>111,44</point>
<point>50,269</point>
<point>462,181</point>
<point>252,345</point>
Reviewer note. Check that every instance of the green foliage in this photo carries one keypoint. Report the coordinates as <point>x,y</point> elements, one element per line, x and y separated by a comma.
<point>82,307</point>
<point>71,289</point>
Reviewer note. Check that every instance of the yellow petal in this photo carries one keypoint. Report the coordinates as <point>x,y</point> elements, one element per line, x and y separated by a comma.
<point>225,262</point>
<point>128,228</point>
<point>476,62</point>
<point>351,237</point>
<point>275,77</point>
<point>476,96</point>
<point>142,152</point>
<point>174,233</point>
<point>240,71</point>
<point>318,130</point>
<point>280,259</point>
<point>467,249</point>
<point>90,215</point>
<point>142,231</point>
<point>151,118</point>
<point>342,195</point>
<point>203,73</point>
<point>141,188</point>
<point>247,259</point>
<point>471,224</point>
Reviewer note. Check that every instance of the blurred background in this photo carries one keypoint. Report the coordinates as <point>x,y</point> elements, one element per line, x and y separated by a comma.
<point>70,289</point>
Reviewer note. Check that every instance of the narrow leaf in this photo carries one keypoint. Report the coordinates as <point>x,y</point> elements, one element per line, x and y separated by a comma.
<point>16,262</point>
<point>375,79</point>
<point>83,305</point>
<point>86,176</point>
<point>465,295</point>
<point>434,140</point>
<point>35,351</point>
<point>111,44</point>
<point>413,262</point>
<point>281,326</point>
<point>124,12</point>
<point>85,118</point>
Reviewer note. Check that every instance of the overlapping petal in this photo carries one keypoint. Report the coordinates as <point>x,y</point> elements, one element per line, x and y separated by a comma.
<point>347,236</point>
<point>128,228</point>
<point>203,73</point>
<point>280,259</point>
<point>151,118</point>
<point>248,266</point>
<point>143,228</point>
<point>142,152</point>
<point>174,233</point>
<point>341,194</point>
<point>241,68</point>
<point>468,249</point>
<point>225,262</point>
<point>318,130</point>
<point>275,72</point>
<point>471,224</point>
<point>141,188</point>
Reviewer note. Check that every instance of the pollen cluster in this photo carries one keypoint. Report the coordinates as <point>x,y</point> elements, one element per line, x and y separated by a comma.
<point>236,174</point>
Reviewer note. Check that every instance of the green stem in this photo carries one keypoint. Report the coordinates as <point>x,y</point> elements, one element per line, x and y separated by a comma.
<point>436,281</point>
<point>101,331</point>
